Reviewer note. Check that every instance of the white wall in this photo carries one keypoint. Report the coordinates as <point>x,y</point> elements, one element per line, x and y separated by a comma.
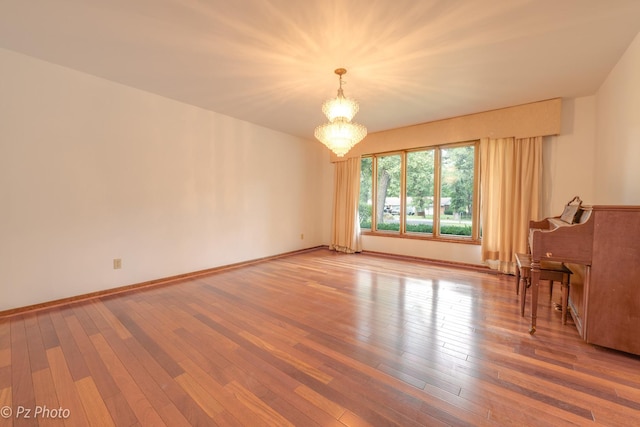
<point>91,170</point>
<point>597,154</point>
<point>617,172</point>
<point>428,249</point>
<point>569,158</point>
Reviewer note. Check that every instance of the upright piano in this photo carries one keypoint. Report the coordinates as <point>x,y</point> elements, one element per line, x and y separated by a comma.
<point>602,249</point>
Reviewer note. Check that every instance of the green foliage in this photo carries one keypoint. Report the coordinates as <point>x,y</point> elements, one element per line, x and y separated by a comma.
<point>451,230</point>
<point>420,228</point>
<point>391,165</point>
<point>456,230</point>
<point>456,175</point>
<point>364,211</point>
<point>391,226</point>
<point>420,178</point>
<point>457,181</point>
<point>366,165</point>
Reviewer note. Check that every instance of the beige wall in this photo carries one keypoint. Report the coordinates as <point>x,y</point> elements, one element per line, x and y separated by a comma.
<point>597,153</point>
<point>91,170</point>
<point>617,171</point>
<point>569,158</point>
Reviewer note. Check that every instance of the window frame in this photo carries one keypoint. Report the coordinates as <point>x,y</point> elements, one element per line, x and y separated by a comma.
<point>475,237</point>
<point>374,190</point>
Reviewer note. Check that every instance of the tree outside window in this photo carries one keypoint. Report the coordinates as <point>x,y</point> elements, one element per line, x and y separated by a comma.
<point>388,189</point>
<point>420,191</point>
<point>425,192</point>
<point>457,181</point>
<point>365,203</point>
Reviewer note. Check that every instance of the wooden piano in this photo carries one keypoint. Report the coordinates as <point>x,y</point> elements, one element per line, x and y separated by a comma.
<point>603,251</point>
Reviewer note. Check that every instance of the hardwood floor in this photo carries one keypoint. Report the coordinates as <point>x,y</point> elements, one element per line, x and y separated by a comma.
<point>317,338</point>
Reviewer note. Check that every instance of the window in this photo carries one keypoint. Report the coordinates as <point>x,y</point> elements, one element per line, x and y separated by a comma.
<point>456,190</point>
<point>429,192</point>
<point>364,205</point>
<point>388,193</point>
<point>420,191</point>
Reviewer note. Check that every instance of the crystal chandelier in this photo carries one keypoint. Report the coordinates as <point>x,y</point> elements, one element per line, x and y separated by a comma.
<point>340,134</point>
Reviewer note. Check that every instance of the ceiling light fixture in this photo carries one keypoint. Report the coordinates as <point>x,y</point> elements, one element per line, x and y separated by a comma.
<point>340,134</point>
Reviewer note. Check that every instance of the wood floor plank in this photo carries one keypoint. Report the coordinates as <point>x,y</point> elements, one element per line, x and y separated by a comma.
<point>88,325</point>
<point>106,319</point>
<point>205,350</point>
<point>154,348</point>
<point>159,336</point>
<point>315,339</point>
<point>258,407</point>
<point>320,401</point>
<point>21,380</point>
<point>126,385</point>
<point>120,411</point>
<point>154,382</point>
<point>93,403</point>
<point>264,379</point>
<point>5,343</point>
<point>37,356</point>
<point>46,398</point>
<point>391,399</point>
<point>613,412</point>
<point>556,374</point>
<point>214,388</point>
<point>380,382</point>
<point>66,390</point>
<point>47,330</point>
<point>75,360</point>
<point>99,373</point>
<point>287,357</point>
<point>6,402</point>
<point>350,419</point>
<point>204,399</point>
<point>263,372</point>
<point>157,385</point>
<point>501,397</point>
<point>5,377</point>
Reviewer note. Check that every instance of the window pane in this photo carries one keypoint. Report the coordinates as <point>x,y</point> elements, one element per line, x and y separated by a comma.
<point>456,192</point>
<point>365,204</point>
<point>388,194</point>
<point>420,185</point>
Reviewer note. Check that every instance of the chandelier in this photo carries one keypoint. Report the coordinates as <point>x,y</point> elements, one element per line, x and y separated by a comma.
<point>340,134</point>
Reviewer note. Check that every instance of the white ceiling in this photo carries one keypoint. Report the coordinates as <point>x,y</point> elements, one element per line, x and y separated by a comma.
<point>271,62</point>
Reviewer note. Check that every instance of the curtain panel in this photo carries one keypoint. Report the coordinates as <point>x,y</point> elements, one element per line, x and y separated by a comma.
<point>345,227</point>
<point>511,181</point>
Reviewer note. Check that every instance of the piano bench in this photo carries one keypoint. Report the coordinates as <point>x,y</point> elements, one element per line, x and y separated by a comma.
<point>549,270</point>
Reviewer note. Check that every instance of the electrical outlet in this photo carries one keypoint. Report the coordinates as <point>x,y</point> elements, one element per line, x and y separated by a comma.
<point>301,236</point>
<point>117,263</point>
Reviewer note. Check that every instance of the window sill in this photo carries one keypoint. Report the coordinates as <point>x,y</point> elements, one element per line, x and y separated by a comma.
<point>411,236</point>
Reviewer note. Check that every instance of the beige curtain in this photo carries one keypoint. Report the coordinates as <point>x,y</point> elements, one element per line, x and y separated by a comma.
<point>345,227</point>
<point>510,174</point>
